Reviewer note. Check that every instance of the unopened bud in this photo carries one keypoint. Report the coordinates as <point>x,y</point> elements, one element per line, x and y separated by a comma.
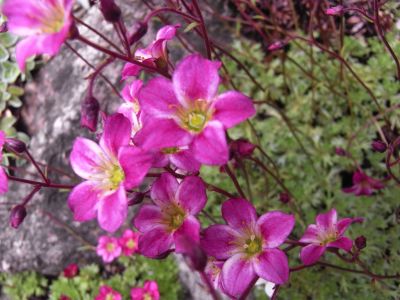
<point>15,145</point>
<point>360,242</point>
<point>63,297</point>
<point>378,146</point>
<point>340,151</point>
<point>71,271</point>
<point>89,113</point>
<point>335,11</point>
<point>110,10</point>
<point>277,45</point>
<point>73,31</point>
<point>242,147</point>
<point>3,27</point>
<point>17,216</point>
<point>284,197</point>
<point>139,31</point>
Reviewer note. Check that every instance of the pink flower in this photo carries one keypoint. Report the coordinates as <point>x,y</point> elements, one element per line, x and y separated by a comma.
<point>108,248</point>
<point>131,108</point>
<point>129,242</point>
<point>335,10</point>
<point>188,111</point>
<point>172,215</point>
<point>180,157</point>
<point>45,25</point>
<point>3,175</point>
<point>155,55</point>
<point>109,168</point>
<point>213,271</point>
<point>363,184</point>
<point>107,293</point>
<point>249,246</point>
<point>327,233</point>
<point>148,292</point>
<point>71,271</point>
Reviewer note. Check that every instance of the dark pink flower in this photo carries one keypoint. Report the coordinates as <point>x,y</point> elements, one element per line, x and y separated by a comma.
<point>129,242</point>
<point>326,233</point>
<point>45,25</point>
<point>171,216</point>
<point>109,168</point>
<point>3,175</point>
<point>188,111</point>
<point>107,293</point>
<point>108,248</point>
<point>363,184</point>
<point>71,271</point>
<point>180,157</point>
<point>155,55</point>
<point>148,292</point>
<point>249,245</point>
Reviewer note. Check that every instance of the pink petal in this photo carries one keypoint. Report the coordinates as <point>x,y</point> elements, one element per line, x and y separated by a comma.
<point>328,219</point>
<point>130,70</point>
<point>130,91</point>
<point>311,253</point>
<point>342,243</point>
<point>2,139</point>
<point>137,294</point>
<point>196,78</point>
<point>155,243</point>
<point>239,213</point>
<point>164,189</point>
<point>3,181</point>
<point>151,287</point>
<point>117,133</point>
<point>275,227</point>
<point>160,160</point>
<point>157,98</point>
<point>210,146</point>
<point>136,163</point>
<point>311,235</point>
<point>272,265</point>
<point>83,201</point>
<point>185,160</point>
<point>157,134</point>
<point>218,241</point>
<point>237,275</point>
<point>343,224</point>
<point>86,157</point>
<point>190,229</point>
<point>191,194</point>
<point>167,32</point>
<point>232,108</point>
<point>113,210</point>
<point>148,217</point>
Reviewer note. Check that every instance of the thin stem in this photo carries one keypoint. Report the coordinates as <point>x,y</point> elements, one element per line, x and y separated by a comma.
<point>32,160</point>
<point>276,291</point>
<point>42,184</point>
<point>235,181</point>
<point>203,28</point>
<point>209,285</point>
<point>218,190</point>
<point>168,9</point>
<point>31,194</point>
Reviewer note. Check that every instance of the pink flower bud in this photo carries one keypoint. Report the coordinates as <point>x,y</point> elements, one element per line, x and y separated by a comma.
<point>15,145</point>
<point>140,30</point>
<point>284,197</point>
<point>110,10</point>
<point>3,27</point>
<point>242,147</point>
<point>89,113</point>
<point>17,216</point>
<point>277,45</point>
<point>63,297</point>
<point>335,11</point>
<point>378,146</point>
<point>71,271</point>
<point>340,151</point>
<point>361,242</point>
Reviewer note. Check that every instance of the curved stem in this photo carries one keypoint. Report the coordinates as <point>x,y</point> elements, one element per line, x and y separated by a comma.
<point>42,184</point>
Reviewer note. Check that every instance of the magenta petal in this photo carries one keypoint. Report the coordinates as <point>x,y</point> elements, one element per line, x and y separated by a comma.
<point>137,294</point>
<point>167,32</point>
<point>191,194</point>
<point>232,108</point>
<point>311,253</point>
<point>189,230</point>
<point>164,189</point>
<point>136,163</point>
<point>3,182</point>
<point>218,241</point>
<point>86,157</point>
<point>155,243</point>
<point>130,70</point>
<point>343,224</point>
<point>210,146</point>
<point>237,275</point>
<point>157,134</point>
<point>148,217</point>
<point>311,235</point>
<point>117,133</point>
<point>83,201</point>
<point>185,160</point>
<point>196,78</point>
<point>113,210</point>
<point>342,243</point>
<point>275,227</point>
<point>272,265</point>
<point>328,219</point>
<point>239,213</point>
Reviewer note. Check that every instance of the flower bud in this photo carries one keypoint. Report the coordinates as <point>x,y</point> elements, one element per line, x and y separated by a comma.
<point>63,297</point>
<point>110,10</point>
<point>284,197</point>
<point>15,145</point>
<point>378,146</point>
<point>17,216</point>
<point>335,11</point>
<point>139,31</point>
<point>3,27</point>
<point>242,147</point>
<point>71,271</point>
<point>361,242</point>
<point>340,151</point>
<point>89,113</point>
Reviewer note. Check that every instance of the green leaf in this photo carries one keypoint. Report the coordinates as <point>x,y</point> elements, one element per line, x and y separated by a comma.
<point>15,90</point>
<point>3,54</point>
<point>15,102</point>
<point>191,26</point>
<point>9,72</point>
<point>7,39</point>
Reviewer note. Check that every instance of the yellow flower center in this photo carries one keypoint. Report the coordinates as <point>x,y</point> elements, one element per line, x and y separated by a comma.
<point>171,150</point>
<point>147,296</point>
<point>116,176</point>
<point>54,20</point>
<point>131,244</point>
<point>109,297</point>
<point>173,216</point>
<point>110,247</point>
<point>195,118</point>
<point>330,235</point>
<point>253,245</point>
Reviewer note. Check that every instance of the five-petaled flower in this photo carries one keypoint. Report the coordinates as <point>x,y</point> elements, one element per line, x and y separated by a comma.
<point>129,242</point>
<point>107,293</point>
<point>172,215</point>
<point>249,246</point>
<point>45,24</point>
<point>108,248</point>
<point>188,111</point>
<point>363,185</point>
<point>149,291</point>
<point>110,167</point>
<point>3,175</point>
<point>326,233</point>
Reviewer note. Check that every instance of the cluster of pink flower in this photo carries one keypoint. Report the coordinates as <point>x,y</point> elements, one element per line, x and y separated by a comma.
<point>149,291</point>
<point>110,248</point>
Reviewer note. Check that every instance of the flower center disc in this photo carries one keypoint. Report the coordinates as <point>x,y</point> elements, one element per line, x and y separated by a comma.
<point>131,244</point>
<point>110,247</point>
<point>196,121</point>
<point>116,176</point>
<point>253,245</point>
